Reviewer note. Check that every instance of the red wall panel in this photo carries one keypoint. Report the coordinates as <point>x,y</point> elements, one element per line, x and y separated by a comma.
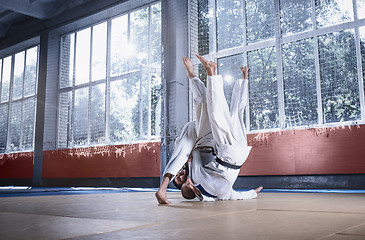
<point>307,152</point>
<point>298,152</point>
<point>16,165</point>
<point>133,160</point>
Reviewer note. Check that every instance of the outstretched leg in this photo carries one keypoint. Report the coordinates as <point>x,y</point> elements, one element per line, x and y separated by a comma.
<point>227,129</point>
<point>238,104</point>
<point>210,67</point>
<point>257,190</point>
<point>218,110</point>
<point>188,64</point>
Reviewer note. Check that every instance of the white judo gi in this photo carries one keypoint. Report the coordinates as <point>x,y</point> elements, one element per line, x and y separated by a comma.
<point>218,127</point>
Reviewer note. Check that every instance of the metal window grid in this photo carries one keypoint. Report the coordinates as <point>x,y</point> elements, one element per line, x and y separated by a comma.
<point>20,100</point>
<point>108,79</point>
<point>277,42</point>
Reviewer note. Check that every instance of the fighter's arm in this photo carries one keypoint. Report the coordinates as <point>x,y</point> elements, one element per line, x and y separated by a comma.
<point>161,193</point>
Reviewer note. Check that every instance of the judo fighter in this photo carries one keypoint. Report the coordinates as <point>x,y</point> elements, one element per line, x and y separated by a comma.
<point>216,140</point>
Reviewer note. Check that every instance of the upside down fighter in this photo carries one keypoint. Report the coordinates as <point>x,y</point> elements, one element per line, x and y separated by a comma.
<point>216,140</point>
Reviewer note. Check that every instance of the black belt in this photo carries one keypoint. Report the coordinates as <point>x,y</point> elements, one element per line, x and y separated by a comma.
<point>205,151</point>
<point>228,165</point>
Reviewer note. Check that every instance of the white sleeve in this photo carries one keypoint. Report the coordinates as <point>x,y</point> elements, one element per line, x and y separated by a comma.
<point>184,144</point>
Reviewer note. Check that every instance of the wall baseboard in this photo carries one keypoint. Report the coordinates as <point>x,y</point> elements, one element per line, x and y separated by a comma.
<point>334,181</point>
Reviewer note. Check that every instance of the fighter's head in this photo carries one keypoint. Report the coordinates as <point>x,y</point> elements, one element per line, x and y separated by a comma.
<point>181,176</point>
<point>187,189</point>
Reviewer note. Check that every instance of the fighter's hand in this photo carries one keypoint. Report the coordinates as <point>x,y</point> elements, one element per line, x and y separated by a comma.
<point>244,70</point>
<point>161,197</point>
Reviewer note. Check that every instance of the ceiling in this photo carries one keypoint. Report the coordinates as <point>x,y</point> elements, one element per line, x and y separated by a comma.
<point>17,12</point>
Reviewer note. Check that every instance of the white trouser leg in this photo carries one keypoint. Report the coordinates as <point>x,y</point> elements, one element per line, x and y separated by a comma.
<point>203,128</point>
<point>227,126</point>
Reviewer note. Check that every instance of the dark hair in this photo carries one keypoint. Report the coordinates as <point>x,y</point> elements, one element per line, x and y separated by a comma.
<point>187,193</point>
<point>178,186</point>
<point>186,168</point>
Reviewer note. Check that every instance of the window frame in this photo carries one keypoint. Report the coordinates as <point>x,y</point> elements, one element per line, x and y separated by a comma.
<point>277,42</point>
<point>109,78</point>
<point>12,52</point>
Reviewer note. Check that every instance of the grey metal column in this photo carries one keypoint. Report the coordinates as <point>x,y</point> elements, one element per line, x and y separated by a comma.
<point>175,45</point>
<point>39,123</point>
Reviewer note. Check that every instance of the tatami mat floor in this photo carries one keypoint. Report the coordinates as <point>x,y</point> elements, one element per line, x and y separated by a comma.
<point>136,215</point>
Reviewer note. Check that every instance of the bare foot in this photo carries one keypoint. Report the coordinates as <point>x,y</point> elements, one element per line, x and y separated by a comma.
<point>210,67</point>
<point>244,71</point>
<point>257,190</point>
<point>162,198</point>
<point>188,64</point>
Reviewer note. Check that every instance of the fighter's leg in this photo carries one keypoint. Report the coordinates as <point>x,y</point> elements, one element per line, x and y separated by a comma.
<point>218,110</point>
<point>238,104</point>
<point>198,89</point>
<point>231,146</point>
<point>188,64</point>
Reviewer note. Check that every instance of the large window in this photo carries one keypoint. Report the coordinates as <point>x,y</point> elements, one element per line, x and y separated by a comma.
<point>18,85</point>
<point>110,81</point>
<point>306,58</point>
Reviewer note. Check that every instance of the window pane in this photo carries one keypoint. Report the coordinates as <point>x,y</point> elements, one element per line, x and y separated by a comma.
<point>18,76</point>
<point>156,36</point>
<point>81,119</point>
<point>264,111</point>
<point>139,37</point>
<point>67,60</point>
<point>6,79</point>
<point>99,52</point>
<point>229,24</point>
<point>64,119</point>
<point>124,110</point>
<point>340,88</point>
<point>300,91</point>
<point>3,127</point>
<point>82,56</point>
<point>28,123</point>
<point>295,16</point>
<point>360,9</point>
<point>15,125</point>
<point>120,48</point>
<point>98,114</point>
<point>260,20</point>
<point>362,46</point>
<point>145,107</point>
<point>156,103</point>
<point>202,34</point>
<point>30,80</point>
<point>228,68</point>
<point>330,12</point>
